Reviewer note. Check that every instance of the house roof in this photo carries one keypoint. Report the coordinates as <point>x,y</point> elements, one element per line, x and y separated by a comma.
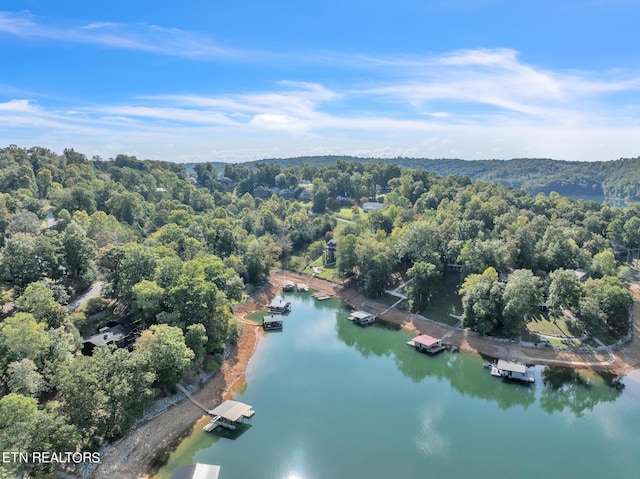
<point>232,410</point>
<point>197,471</point>
<point>426,340</point>
<point>372,205</point>
<point>111,335</point>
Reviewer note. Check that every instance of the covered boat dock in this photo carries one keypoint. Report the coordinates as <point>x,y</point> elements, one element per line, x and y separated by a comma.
<point>512,370</point>
<point>272,322</point>
<point>229,414</point>
<point>427,344</point>
<point>279,305</point>
<point>362,318</point>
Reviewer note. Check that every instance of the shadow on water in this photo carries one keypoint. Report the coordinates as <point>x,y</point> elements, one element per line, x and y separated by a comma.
<point>231,434</point>
<point>463,372</point>
<point>566,389</point>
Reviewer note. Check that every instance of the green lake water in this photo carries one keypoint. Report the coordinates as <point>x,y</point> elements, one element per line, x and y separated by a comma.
<point>334,400</point>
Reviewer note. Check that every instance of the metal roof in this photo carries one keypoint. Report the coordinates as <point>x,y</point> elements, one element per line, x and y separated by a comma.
<point>276,318</point>
<point>513,367</point>
<point>197,471</point>
<point>426,340</point>
<point>232,410</point>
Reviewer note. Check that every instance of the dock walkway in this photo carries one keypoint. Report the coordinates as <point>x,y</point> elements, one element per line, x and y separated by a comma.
<point>192,399</point>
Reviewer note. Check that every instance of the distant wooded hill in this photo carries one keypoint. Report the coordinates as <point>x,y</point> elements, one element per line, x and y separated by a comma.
<point>612,179</point>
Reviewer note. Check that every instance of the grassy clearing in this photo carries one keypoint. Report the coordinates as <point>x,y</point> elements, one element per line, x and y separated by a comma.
<point>445,300</point>
<point>330,273</point>
<point>552,325</point>
<point>348,213</point>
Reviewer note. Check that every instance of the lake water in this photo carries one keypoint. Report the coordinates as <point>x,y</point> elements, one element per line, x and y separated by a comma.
<point>334,400</point>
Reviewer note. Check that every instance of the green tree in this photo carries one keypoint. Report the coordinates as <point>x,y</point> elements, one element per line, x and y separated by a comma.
<point>482,301</point>
<point>148,300</point>
<point>23,378</point>
<point>24,427</point>
<point>425,279</point>
<point>80,254</point>
<point>346,256</point>
<point>164,350</point>
<point>21,336</point>
<point>565,290</point>
<point>521,298</point>
<point>38,300</point>
<point>196,339</point>
<point>256,262</point>
<point>19,260</point>
<point>614,300</point>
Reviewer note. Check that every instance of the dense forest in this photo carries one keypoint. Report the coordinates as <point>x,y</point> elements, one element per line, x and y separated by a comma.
<point>176,251</point>
<point>611,179</point>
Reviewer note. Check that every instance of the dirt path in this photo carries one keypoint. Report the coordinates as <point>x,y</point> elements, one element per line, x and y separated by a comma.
<point>619,362</point>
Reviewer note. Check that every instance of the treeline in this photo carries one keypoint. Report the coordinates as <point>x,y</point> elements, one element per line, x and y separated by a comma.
<point>612,179</point>
<point>175,256</point>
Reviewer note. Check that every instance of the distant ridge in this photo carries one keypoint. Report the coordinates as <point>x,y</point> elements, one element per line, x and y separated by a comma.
<point>611,179</point>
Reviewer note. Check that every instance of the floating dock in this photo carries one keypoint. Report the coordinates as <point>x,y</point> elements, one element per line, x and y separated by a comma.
<point>272,322</point>
<point>279,306</point>
<point>321,296</point>
<point>427,344</point>
<point>512,371</point>
<point>362,318</point>
<point>303,288</point>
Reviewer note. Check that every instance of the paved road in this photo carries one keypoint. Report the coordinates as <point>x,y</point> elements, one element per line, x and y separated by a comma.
<point>93,292</point>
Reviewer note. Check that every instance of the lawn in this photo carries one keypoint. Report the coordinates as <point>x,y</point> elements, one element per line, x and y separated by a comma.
<point>329,273</point>
<point>552,325</point>
<point>348,214</point>
<point>445,300</point>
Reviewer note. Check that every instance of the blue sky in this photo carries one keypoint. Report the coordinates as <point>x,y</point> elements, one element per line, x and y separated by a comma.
<point>233,81</point>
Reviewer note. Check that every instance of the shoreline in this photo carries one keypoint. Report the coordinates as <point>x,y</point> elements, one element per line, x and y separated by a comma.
<point>617,362</point>
<point>145,449</point>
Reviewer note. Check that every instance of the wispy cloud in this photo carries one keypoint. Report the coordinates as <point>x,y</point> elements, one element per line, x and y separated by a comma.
<point>138,37</point>
<point>469,104</point>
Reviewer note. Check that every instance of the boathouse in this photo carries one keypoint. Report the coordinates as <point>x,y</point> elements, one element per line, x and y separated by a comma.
<point>512,370</point>
<point>279,305</point>
<point>271,322</point>
<point>362,318</point>
<point>229,414</point>
<point>427,344</point>
<point>288,286</point>
<point>197,471</point>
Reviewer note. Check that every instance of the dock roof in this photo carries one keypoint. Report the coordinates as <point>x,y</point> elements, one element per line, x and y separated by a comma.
<point>426,340</point>
<point>275,318</point>
<point>513,367</point>
<point>361,314</point>
<point>278,303</point>
<point>197,471</point>
<point>232,410</point>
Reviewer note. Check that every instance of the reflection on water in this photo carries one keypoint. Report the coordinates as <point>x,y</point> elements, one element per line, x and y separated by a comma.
<point>336,400</point>
<point>576,392</point>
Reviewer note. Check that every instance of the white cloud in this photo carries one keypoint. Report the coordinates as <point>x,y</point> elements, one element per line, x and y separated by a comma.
<point>469,104</point>
<point>139,37</point>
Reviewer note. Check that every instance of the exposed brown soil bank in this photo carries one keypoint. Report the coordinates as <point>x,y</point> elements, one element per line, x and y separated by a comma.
<point>616,362</point>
